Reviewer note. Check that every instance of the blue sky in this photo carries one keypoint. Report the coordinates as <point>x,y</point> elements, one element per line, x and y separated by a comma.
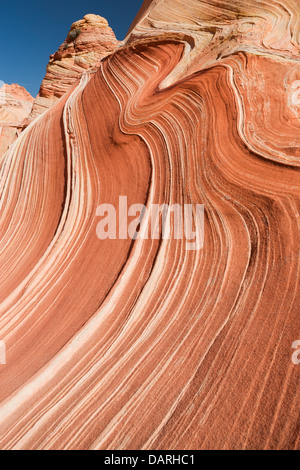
<point>31,31</point>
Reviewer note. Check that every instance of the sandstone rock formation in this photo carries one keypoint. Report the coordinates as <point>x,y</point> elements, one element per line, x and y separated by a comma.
<point>15,105</point>
<point>89,40</point>
<point>122,344</point>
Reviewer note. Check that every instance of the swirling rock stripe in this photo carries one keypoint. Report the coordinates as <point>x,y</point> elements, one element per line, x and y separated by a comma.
<point>123,345</point>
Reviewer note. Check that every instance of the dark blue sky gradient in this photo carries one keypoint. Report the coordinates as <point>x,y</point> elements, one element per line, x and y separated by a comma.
<point>31,31</point>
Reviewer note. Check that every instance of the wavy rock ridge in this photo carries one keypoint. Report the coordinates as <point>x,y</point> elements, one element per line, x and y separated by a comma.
<point>122,344</point>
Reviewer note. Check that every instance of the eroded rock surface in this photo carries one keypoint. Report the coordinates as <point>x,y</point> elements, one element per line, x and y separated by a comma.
<point>89,40</point>
<point>122,344</point>
<point>15,105</point>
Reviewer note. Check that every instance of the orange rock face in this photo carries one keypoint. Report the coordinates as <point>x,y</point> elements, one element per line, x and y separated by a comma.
<point>142,344</point>
<point>15,105</point>
<point>88,41</point>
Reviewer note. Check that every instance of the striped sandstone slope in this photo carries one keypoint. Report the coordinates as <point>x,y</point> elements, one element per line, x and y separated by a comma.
<point>122,344</point>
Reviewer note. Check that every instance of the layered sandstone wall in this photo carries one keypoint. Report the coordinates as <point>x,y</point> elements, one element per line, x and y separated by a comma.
<point>144,344</point>
<point>15,105</point>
